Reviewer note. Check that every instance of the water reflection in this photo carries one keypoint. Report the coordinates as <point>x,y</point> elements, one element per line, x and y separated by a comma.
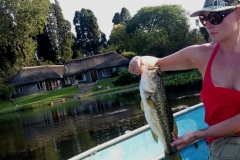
<point>61,133</point>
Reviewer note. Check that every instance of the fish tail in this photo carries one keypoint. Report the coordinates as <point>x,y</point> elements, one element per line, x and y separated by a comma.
<point>175,156</point>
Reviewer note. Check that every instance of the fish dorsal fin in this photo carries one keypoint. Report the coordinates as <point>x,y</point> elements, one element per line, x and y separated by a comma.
<point>155,137</point>
<point>150,102</point>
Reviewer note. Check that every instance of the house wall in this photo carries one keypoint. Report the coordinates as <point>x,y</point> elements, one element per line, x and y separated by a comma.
<point>29,89</point>
<point>118,68</point>
<point>88,77</point>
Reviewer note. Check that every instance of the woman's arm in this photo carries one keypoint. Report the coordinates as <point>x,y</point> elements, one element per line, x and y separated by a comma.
<point>184,59</point>
<point>224,128</point>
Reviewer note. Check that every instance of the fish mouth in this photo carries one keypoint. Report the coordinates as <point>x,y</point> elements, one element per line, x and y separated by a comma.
<point>150,93</point>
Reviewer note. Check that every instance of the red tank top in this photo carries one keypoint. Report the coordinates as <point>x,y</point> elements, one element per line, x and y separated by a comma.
<point>220,103</point>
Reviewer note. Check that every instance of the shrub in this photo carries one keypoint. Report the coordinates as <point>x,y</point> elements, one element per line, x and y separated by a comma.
<point>129,55</point>
<point>125,78</point>
<point>6,91</point>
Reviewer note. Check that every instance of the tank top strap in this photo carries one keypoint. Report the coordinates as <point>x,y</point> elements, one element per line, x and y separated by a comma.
<point>207,82</point>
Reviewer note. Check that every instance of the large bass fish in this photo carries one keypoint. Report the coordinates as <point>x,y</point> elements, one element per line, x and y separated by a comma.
<point>157,110</point>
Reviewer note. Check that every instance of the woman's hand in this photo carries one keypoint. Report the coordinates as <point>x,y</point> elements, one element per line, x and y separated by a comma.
<point>183,141</point>
<point>137,62</point>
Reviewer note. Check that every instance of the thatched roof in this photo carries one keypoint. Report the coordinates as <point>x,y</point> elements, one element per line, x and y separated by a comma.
<point>38,73</point>
<point>100,61</point>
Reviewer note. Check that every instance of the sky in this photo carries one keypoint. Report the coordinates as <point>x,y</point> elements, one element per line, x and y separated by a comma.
<point>104,10</point>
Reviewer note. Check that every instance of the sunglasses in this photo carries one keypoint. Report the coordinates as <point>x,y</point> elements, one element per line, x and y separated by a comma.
<point>215,18</point>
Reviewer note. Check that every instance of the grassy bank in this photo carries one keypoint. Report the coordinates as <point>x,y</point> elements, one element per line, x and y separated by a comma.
<point>38,100</point>
<point>44,99</point>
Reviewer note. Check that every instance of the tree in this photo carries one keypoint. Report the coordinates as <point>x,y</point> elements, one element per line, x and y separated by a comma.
<point>21,21</point>
<point>121,18</point>
<point>116,19</point>
<point>120,38</point>
<point>165,28</point>
<point>203,31</point>
<point>64,37</point>
<point>125,15</point>
<point>55,43</point>
<point>47,41</point>
<point>75,48</point>
<point>87,31</point>
<point>149,42</point>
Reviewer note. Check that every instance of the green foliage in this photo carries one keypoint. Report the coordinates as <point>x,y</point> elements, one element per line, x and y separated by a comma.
<point>151,43</point>
<point>121,18</point>
<point>205,34</point>
<point>125,78</point>
<point>161,30</point>
<point>6,92</point>
<point>109,48</point>
<point>116,19</point>
<point>21,21</point>
<point>120,38</point>
<point>64,37</point>
<point>56,41</point>
<point>125,16</point>
<point>183,78</point>
<point>89,37</point>
<point>129,55</point>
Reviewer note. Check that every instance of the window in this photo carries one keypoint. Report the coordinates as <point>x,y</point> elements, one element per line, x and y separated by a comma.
<point>18,90</point>
<point>107,72</point>
<point>40,86</point>
<point>121,68</point>
<point>55,83</point>
<point>81,77</point>
<point>67,80</point>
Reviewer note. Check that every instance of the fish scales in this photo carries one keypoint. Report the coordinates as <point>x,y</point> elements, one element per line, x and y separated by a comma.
<point>157,110</point>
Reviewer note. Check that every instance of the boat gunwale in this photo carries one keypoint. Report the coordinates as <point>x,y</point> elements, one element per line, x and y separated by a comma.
<point>130,134</point>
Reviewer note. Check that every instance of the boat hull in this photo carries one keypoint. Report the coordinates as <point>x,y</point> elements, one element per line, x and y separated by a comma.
<point>139,144</point>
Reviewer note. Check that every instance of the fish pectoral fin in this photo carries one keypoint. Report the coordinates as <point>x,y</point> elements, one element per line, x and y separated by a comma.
<point>175,129</point>
<point>151,103</point>
<point>155,137</point>
<point>142,106</point>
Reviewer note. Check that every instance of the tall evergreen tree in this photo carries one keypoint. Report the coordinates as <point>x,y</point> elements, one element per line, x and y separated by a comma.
<point>75,48</point>
<point>125,15</point>
<point>116,19</point>
<point>121,18</point>
<point>87,32</point>
<point>64,37</point>
<point>47,42</point>
<point>55,43</point>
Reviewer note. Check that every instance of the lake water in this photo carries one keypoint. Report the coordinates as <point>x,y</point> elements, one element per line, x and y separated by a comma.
<point>51,133</point>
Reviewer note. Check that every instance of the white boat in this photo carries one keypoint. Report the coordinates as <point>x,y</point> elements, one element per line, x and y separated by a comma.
<point>140,145</point>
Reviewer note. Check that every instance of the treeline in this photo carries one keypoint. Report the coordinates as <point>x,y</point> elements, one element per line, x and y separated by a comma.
<point>34,32</point>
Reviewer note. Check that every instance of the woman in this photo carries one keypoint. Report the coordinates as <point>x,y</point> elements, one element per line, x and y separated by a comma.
<point>219,64</point>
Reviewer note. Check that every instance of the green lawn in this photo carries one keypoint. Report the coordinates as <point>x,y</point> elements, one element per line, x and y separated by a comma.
<point>107,86</point>
<point>38,99</point>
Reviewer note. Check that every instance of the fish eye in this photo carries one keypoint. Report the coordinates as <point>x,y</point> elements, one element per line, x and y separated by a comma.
<point>159,74</point>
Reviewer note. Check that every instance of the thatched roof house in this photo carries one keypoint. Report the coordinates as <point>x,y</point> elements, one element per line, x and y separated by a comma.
<point>96,62</point>
<point>38,73</point>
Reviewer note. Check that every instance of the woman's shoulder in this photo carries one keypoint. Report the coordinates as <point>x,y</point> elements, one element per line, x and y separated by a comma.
<point>203,47</point>
<point>200,54</point>
<point>202,51</point>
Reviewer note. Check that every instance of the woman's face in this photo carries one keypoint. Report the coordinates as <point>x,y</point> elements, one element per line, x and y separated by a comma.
<point>227,29</point>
